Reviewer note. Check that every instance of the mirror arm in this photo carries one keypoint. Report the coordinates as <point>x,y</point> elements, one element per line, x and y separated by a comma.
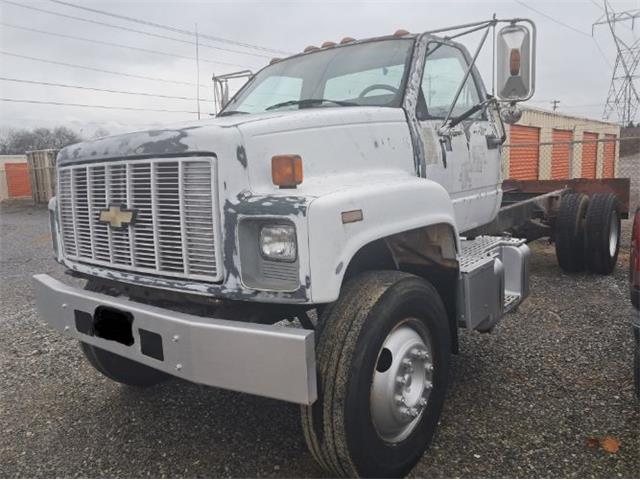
<point>496,103</point>
<point>463,116</point>
<point>441,130</point>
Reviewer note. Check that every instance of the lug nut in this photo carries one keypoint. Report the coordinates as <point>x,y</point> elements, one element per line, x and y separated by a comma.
<point>428,367</point>
<point>407,364</point>
<point>419,353</point>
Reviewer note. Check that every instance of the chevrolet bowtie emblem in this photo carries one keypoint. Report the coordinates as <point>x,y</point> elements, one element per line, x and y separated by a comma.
<point>117,216</point>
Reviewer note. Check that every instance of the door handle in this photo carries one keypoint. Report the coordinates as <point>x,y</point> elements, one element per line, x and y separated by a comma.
<point>445,145</point>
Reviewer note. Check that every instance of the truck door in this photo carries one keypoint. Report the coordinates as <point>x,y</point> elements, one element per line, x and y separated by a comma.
<point>462,161</point>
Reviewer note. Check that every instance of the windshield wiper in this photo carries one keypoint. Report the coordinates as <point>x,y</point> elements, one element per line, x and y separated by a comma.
<point>309,102</point>
<point>226,113</point>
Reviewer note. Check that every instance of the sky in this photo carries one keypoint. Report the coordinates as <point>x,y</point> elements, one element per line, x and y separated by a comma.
<point>573,66</point>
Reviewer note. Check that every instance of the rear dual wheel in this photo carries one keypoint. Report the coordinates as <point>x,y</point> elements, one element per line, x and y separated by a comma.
<point>383,363</point>
<point>602,233</point>
<point>587,233</point>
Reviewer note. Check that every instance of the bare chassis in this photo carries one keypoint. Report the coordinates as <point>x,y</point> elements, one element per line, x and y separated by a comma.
<point>529,207</point>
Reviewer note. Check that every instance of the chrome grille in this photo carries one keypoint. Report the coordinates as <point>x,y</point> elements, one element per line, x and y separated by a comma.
<point>175,228</point>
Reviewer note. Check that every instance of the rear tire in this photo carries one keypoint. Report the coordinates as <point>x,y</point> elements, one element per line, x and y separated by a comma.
<point>602,233</point>
<point>569,232</point>
<point>385,326</point>
<point>121,369</point>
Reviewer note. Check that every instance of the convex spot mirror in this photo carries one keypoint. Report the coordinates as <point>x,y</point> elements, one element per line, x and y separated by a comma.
<point>515,66</point>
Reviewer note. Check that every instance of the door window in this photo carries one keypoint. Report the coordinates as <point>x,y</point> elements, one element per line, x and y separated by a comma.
<point>444,69</point>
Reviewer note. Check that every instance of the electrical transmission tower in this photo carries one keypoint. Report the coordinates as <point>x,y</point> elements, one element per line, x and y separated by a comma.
<point>623,100</point>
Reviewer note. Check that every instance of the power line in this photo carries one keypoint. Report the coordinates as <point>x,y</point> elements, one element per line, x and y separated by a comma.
<point>133,30</point>
<point>168,27</point>
<point>601,52</point>
<point>118,45</point>
<point>94,69</point>
<point>548,17</point>
<point>106,107</point>
<point>95,89</point>
<point>597,5</point>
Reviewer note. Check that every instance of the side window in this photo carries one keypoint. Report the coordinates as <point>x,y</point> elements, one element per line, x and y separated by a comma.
<point>273,90</point>
<point>444,70</point>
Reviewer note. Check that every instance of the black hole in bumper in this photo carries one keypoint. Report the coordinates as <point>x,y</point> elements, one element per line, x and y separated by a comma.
<point>151,344</point>
<point>113,324</point>
<point>84,322</point>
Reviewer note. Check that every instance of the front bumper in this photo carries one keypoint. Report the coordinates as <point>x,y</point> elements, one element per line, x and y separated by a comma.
<point>271,361</point>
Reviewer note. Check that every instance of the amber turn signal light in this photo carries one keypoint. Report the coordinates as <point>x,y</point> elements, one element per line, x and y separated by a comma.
<point>514,62</point>
<point>286,170</point>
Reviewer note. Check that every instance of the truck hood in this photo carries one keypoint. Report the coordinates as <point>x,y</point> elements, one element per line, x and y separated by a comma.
<point>187,137</point>
<point>343,142</point>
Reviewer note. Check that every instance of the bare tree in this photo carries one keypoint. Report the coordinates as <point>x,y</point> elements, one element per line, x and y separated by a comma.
<point>17,141</point>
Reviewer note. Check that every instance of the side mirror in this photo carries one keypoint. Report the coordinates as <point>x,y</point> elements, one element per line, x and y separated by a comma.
<point>515,71</point>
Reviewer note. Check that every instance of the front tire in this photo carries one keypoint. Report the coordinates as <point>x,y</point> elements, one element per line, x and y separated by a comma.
<point>115,367</point>
<point>121,369</point>
<point>383,361</point>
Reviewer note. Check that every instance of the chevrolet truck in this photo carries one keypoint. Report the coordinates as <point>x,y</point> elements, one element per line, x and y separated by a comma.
<point>322,239</point>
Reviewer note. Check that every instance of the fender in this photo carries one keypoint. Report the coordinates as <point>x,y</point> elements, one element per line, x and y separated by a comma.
<point>389,206</point>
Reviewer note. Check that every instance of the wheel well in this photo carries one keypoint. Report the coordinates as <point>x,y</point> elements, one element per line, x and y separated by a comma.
<point>373,256</point>
<point>428,252</point>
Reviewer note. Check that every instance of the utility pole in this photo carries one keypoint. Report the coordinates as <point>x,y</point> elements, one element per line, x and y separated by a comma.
<point>555,104</point>
<point>623,99</point>
<point>197,72</point>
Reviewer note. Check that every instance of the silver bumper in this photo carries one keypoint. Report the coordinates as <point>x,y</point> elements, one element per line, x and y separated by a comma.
<point>272,361</point>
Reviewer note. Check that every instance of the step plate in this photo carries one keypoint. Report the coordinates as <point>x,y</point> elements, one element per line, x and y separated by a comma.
<point>494,279</point>
<point>475,253</point>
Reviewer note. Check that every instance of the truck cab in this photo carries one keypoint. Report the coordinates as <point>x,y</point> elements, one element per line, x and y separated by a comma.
<point>306,244</point>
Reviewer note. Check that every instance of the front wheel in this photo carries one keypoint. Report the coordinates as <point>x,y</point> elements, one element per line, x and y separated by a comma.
<point>121,369</point>
<point>383,366</point>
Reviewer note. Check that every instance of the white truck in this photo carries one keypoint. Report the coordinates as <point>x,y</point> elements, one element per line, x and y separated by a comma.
<point>320,241</point>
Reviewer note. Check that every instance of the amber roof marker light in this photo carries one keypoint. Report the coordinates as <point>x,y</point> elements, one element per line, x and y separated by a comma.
<point>286,170</point>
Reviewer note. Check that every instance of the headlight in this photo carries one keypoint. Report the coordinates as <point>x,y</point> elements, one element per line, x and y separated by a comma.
<point>278,242</point>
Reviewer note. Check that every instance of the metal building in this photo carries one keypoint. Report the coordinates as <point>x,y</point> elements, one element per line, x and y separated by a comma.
<point>546,145</point>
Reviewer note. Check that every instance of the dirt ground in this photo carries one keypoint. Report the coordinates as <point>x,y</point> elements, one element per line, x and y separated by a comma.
<point>524,401</point>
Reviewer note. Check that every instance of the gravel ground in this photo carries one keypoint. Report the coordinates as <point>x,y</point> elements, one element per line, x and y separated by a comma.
<point>522,403</point>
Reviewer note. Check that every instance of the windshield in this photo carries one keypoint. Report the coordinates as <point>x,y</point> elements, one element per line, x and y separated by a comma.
<point>365,74</point>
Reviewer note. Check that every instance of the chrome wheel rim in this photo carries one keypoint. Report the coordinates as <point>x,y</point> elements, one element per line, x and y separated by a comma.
<point>614,233</point>
<point>402,382</point>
